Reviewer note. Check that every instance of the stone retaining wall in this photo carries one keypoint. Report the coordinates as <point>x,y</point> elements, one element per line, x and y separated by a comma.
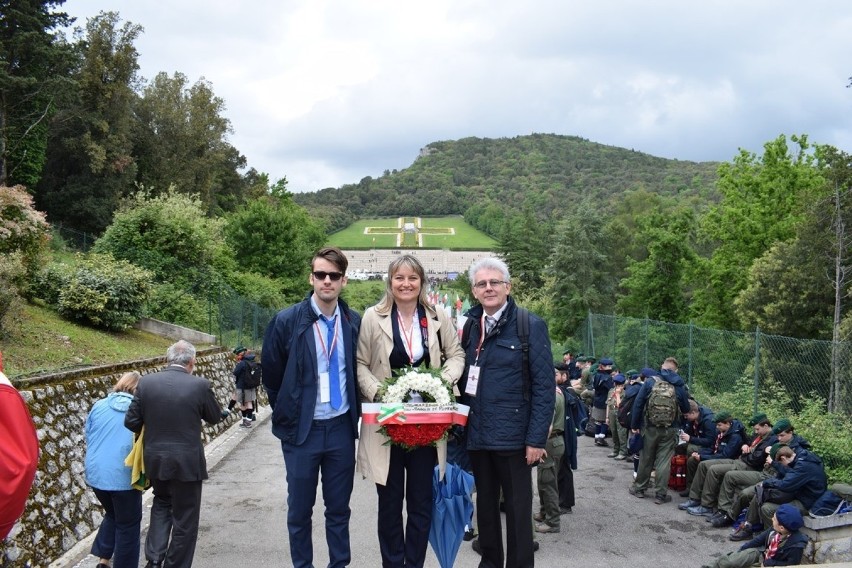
<point>62,509</point>
<point>830,539</point>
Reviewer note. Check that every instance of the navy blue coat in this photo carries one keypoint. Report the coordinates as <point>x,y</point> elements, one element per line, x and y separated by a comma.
<point>637,418</point>
<point>502,416</point>
<point>730,446</point>
<point>702,431</point>
<point>290,374</point>
<point>602,384</point>
<point>805,478</point>
<point>788,554</point>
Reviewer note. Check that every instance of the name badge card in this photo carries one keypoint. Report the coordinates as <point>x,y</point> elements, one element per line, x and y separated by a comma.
<point>325,392</point>
<point>472,380</point>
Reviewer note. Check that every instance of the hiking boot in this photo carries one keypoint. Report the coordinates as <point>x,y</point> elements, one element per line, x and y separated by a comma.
<point>742,533</point>
<point>660,499</point>
<point>721,520</point>
<point>602,443</point>
<point>688,504</point>
<point>545,528</point>
<point>539,517</point>
<point>636,493</point>
<point>700,511</point>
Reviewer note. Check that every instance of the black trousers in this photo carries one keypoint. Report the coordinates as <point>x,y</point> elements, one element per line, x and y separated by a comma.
<point>409,479</point>
<point>565,482</point>
<point>508,471</point>
<point>175,510</point>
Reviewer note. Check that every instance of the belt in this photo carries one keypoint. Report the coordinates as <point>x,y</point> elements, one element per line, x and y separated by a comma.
<point>334,420</point>
<point>554,435</point>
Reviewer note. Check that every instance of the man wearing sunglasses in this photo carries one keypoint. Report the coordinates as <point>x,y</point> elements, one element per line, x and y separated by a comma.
<point>308,363</point>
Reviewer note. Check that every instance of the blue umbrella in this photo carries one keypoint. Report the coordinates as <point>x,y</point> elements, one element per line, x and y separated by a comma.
<point>452,508</point>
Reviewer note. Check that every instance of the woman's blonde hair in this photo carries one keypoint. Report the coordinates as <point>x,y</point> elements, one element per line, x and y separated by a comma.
<point>384,305</point>
<point>127,382</point>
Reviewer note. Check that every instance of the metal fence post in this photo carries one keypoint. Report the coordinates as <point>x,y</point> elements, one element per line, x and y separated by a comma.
<point>756,365</point>
<point>689,357</point>
<point>591,335</point>
<point>647,339</point>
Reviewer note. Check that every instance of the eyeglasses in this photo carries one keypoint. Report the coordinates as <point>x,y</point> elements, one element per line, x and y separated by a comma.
<point>482,284</point>
<point>321,274</point>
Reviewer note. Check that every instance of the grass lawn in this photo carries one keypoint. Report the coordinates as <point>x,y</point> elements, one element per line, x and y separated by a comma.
<point>45,342</point>
<point>465,235</point>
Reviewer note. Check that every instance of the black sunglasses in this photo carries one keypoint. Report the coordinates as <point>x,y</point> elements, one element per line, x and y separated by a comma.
<point>321,274</point>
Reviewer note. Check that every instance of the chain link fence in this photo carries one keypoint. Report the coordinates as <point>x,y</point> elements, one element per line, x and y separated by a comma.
<point>713,361</point>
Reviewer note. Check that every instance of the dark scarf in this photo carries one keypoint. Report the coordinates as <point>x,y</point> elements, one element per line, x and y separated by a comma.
<point>399,356</point>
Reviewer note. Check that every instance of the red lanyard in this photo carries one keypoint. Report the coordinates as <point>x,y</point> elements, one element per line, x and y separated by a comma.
<point>409,337</point>
<point>481,337</point>
<point>328,353</point>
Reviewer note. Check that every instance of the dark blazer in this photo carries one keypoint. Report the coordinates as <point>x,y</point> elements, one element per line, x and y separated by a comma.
<point>290,373</point>
<point>171,405</point>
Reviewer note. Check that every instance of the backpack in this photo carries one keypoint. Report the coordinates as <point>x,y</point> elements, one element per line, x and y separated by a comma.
<point>662,408</point>
<point>253,375</point>
<point>625,410</point>
<point>522,319</point>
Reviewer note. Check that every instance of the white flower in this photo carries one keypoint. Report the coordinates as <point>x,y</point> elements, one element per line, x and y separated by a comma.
<point>424,383</point>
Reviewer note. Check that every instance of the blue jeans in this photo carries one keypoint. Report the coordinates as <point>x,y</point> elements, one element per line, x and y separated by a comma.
<point>118,536</point>
<point>330,448</point>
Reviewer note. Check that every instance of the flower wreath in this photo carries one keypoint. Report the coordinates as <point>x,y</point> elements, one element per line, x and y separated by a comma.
<point>405,387</point>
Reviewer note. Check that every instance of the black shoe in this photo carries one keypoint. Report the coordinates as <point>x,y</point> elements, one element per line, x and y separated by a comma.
<point>684,493</point>
<point>660,499</point>
<point>636,493</point>
<point>721,520</point>
<point>475,546</point>
<point>565,510</point>
<point>742,533</point>
<point>535,546</point>
<point>151,564</point>
<point>469,535</point>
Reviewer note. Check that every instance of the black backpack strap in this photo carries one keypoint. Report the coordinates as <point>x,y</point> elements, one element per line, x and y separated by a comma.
<point>465,338</point>
<point>523,321</point>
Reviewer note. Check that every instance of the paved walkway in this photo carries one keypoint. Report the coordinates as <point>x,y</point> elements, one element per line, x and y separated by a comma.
<point>243,521</point>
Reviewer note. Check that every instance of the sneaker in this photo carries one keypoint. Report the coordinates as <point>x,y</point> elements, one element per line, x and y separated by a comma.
<point>660,499</point>
<point>246,423</point>
<point>742,533</point>
<point>539,517</point>
<point>565,510</point>
<point>545,528</point>
<point>700,511</point>
<point>612,455</point>
<point>721,520</point>
<point>688,504</point>
<point>602,443</point>
<point>620,457</point>
<point>469,535</point>
<point>636,493</point>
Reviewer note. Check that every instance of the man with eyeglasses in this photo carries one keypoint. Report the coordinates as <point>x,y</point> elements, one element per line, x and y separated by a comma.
<point>510,413</point>
<point>308,363</point>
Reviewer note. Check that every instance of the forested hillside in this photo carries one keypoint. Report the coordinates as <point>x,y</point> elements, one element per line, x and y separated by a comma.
<point>484,179</point>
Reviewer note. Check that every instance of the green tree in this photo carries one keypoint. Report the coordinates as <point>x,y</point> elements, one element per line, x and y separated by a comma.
<point>89,161</point>
<point>170,235</point>
<point>655,287</point>
<point>274,237</point>
<point>524,247</point>
<point>763,199</point>
<point>578,273</point>
<point>181,140</point>
<point>34,77</point>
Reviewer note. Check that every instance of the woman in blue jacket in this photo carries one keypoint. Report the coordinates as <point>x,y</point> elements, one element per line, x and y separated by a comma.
<point>107,444</point>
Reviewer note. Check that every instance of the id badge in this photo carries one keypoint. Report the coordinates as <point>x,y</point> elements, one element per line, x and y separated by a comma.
<point>325,393</point>
<point>472,380</point>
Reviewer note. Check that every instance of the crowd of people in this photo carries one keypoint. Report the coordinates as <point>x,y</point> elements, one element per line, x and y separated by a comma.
<point>321,361</point>
<point>759,483</point>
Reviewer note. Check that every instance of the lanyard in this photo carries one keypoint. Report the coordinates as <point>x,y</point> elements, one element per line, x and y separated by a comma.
<point>481,337</point>
<point>328,352</point>
<point>408,337</point>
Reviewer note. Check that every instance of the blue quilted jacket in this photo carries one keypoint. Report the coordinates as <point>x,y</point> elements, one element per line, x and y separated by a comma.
<point>501,417</point>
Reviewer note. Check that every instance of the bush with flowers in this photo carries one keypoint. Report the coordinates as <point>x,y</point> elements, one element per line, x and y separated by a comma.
<point>416,408</point>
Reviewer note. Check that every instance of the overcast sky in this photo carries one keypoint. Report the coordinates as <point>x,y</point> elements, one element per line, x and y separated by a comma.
<point>326,92</point>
